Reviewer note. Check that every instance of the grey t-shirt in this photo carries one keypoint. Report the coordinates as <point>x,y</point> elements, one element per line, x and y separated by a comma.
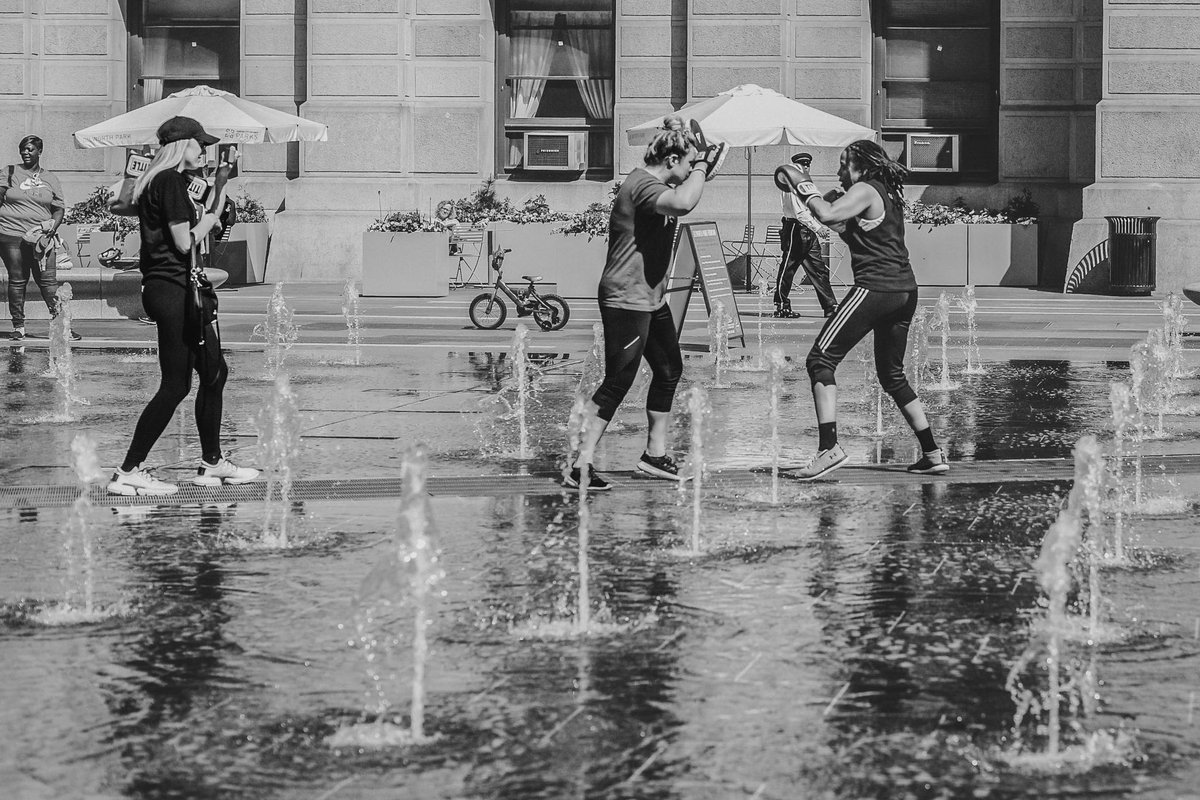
<point>639,246</point>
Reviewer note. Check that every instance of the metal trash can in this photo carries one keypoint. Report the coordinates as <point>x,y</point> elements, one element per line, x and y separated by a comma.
<point>1131,247</point>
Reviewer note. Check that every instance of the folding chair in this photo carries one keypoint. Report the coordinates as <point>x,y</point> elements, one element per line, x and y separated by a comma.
<point>468,245</point>
<point>772,251</point>
<point>83,237</point>
<point>733,248</point>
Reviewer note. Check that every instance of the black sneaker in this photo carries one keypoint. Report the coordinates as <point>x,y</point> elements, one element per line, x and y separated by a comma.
<point>595,482</point>
<point>18,335</point>
<point>659,467</point>
<point>931,464</point>
<point>74,337</point>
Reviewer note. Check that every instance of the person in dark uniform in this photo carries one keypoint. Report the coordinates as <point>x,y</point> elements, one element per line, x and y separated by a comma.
<point>800,243</point>
<point>883,298</point>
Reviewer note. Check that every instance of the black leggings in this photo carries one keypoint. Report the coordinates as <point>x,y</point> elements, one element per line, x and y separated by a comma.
<point>888,314</point>
<point>628,335</point>
<point>164,303</point>
<point>20,261</point>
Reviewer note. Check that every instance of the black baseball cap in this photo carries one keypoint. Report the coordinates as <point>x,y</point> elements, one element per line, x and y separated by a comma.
<point>802,158</point>
<point>178,128</point>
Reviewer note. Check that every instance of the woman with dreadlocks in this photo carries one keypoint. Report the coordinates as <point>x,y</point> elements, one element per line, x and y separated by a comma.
<point>883,298</point>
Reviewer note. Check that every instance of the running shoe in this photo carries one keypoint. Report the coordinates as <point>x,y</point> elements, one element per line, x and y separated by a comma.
<point>74,337</point>
<point>18,335</point>
<point>933,463</point>
<point>595,482</point>
<point>822,463</point>
<point>659,467</point>
<point>138,482</point>
<point>224,471</point>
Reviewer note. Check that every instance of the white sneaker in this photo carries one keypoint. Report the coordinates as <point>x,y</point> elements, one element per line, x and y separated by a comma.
<point>823,463</point>
<point>138,482</point>
<point>225,471</point>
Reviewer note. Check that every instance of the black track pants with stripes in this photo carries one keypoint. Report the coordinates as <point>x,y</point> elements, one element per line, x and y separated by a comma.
<point>629,335</point>
<point>889,315</point>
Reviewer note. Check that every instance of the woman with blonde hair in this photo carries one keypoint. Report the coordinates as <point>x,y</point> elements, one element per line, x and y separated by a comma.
<point>633,306</point>
<point>182,303</point>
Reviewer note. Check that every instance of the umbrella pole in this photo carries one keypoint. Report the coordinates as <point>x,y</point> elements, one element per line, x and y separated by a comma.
<point>749,230</point>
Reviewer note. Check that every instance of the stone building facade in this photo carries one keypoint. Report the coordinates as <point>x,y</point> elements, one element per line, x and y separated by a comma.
<point>1092,105</point>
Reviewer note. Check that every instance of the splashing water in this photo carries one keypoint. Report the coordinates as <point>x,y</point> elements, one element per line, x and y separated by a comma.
<point>353,319</point>
<point>62,359</point>
<point>941,322</point>
<point>279,332</point>
<point>520,376</point>
<point>969,304</point>
<point>1124,416</point>
<point>764,292</point>
<point>279,428</point>
<point>78,605</point>
<point>699,410</point>
<point>592,373</point>
<point>581,420</point>
<point>779,365</point>
<point>1056,577</point>
<point>404,583</point>
<point>719,322</point>
<point>1174,323</point>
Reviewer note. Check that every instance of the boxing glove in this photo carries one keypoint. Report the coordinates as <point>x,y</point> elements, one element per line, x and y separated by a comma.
<point>709,156</point>
<point>795,179</point>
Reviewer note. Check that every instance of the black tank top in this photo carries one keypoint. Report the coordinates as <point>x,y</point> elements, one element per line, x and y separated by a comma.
<point>878,256</point>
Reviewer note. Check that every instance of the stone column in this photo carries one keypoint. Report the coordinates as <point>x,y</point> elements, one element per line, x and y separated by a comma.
<point>1148,132</point>
<point>62,68</point>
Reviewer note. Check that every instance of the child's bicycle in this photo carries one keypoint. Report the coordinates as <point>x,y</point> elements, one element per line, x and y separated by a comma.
<point>488,310</point>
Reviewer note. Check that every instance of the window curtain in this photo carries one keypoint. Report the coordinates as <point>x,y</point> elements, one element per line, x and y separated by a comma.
<point>532,49</point>
<point>590,52</point>
<point>154,66</point>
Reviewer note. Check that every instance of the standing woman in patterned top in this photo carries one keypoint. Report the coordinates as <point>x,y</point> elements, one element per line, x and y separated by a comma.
<point>633,304</point>
<point>31,200</point>
<point>883,298</point>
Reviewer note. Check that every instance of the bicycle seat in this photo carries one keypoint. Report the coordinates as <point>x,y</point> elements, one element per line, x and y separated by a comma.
<point>531,278</point>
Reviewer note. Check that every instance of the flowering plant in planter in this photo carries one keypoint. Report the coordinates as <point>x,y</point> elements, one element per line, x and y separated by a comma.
<point>593,220</point>
<point>249,209</point>
<point>1020,210</point>
<point>409,222</point>
<point>93,210</point>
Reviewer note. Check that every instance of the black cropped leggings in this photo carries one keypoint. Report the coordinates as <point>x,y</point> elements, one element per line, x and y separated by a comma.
<point>629,335</point>
<point>21,262</point>
<point>889,315</point>
<point>164,303</point>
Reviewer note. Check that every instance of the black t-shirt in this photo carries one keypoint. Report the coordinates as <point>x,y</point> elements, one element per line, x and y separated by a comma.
<point>163,202</point>
<point>639,246</point>
<point>879,256</point>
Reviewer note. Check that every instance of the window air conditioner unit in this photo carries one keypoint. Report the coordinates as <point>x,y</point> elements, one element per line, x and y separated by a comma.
<point>556,150</point>
<point>927,152</point>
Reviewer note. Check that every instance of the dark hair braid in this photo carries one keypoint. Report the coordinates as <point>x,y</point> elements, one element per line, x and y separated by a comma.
<point>873,162</point>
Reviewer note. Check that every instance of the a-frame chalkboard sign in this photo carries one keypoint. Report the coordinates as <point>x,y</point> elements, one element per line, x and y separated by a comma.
<point>697,251</point>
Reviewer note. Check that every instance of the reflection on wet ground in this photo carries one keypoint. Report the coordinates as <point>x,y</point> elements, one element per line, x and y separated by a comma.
<point>849,641</point>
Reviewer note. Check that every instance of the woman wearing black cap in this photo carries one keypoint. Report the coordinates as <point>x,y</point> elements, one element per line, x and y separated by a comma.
<point>170,230</point>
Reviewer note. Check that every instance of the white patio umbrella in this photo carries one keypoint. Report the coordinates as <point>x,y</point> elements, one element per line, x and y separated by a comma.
<point>749,116</point>
<point>227,116</point>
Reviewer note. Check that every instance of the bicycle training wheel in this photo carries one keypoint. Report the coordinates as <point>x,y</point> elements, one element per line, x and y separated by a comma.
<point>487,312</point>
<point>554,314</point>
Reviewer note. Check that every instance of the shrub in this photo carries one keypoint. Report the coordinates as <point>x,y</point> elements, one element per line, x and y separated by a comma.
<point>408,222</point>
<point>93,210</point>
<point>476,210</point>
<point>249,209</point>
<point>1020,210</point>
<point>593,220</point>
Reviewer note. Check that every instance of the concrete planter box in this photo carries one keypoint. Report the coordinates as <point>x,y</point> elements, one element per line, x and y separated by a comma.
<point>244,254</point>
<point>938,255</point>
<point>981,254</point>
<point>406,264</point>
<point>572,262</point>
<point>1002,255</point>
<point>86,254</point>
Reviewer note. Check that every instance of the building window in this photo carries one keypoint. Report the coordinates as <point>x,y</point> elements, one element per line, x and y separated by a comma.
<point>187,44</point>
<point>937,71</point>
<point>558,64</point>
